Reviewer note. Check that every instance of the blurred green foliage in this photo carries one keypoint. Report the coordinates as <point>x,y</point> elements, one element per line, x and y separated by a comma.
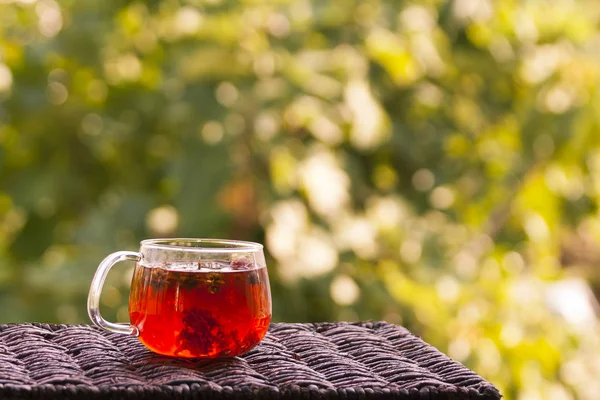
<point>432,163</point>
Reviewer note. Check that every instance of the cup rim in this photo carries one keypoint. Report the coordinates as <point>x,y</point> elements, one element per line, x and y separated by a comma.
<point>221,245</point>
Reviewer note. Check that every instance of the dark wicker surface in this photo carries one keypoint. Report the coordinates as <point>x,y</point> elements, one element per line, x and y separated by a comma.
<point>312,361</point>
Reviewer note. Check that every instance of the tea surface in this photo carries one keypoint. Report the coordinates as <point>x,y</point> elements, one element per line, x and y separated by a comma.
<point>188,312</point>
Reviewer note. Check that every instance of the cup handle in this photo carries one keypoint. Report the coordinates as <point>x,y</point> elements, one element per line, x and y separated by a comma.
<point>93,303</point>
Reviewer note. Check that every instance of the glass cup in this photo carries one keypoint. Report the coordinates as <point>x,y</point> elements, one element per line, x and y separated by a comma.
<point>193,298</point>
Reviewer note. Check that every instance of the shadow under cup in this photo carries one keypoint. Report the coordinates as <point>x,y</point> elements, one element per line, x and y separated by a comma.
<point>199,298</point>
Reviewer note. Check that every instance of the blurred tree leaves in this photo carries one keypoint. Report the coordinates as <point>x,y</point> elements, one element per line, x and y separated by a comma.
<point>431,163</point>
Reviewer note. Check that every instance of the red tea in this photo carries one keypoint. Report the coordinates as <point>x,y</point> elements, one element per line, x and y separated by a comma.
<point>189,312</point>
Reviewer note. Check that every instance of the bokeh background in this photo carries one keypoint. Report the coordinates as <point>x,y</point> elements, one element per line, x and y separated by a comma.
<point>430,163</point>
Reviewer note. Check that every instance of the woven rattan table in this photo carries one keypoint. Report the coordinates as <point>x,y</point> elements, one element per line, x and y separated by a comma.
<point>309,361</point>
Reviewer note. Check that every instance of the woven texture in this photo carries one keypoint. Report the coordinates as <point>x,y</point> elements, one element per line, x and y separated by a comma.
<point>308,361</point>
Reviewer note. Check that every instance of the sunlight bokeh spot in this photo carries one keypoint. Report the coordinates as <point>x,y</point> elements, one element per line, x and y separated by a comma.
<point>5,78</point>
<point>92,124</point>
<point>344,291</point>
<point>163,220</point>
<point>212,132</point>
<point>423,180</point>
<point>326,183</point>
<point>188,20</point>
<point>442,197</point>
<point>57,93</point>
<point>50,18</point>
<point>368,127</point>
<point>226,94</point>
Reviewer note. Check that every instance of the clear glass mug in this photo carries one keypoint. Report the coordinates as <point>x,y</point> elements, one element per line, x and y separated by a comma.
<point>193,298</point>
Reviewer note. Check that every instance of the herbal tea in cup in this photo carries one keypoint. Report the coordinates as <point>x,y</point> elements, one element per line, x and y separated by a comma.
<point>194,298</point>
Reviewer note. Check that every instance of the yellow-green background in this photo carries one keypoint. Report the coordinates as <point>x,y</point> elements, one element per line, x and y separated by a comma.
<point>431,163</point>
